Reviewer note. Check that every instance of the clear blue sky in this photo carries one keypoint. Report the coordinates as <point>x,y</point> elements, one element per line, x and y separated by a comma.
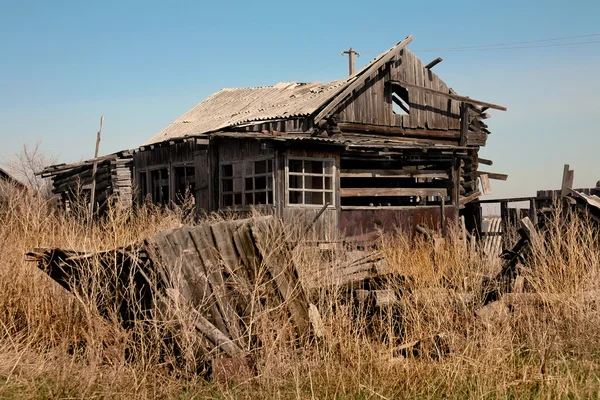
<point>142,64</point>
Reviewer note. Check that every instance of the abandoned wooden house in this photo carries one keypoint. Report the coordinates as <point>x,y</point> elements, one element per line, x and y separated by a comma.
<point>390,146</point>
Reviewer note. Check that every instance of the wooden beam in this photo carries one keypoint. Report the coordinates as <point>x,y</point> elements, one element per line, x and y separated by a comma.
<point>469,198</point>
<point>484,161</point>
<point>361,76</point>
<point>456,97</point>
<point>389,173</point>
<point>492,175</point>
<point>464,125</point>
<point>434,63</point>
<point>397,130</point>
<point>380,192</point>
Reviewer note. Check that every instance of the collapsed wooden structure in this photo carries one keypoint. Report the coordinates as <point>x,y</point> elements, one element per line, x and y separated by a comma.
<point>112,181</point>
<point>217,272</point>
<point>391,146</point>
<point>492,229</point>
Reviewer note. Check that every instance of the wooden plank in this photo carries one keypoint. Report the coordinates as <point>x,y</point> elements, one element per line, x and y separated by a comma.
<point>362,75</point>
<point>397,130</point>
<point>244,244</point>
<point>205,246</point>
<point>464,125</point>
<point>171,264</point>
<point>275,258</point>
<point>449,95</point>
<point>223,236</point>
<point>377,192</point>
<point>484,161</point>
<point>191,266</point>
<point>485,184</point>
<point>492,175</point>
<point>469,198</point>
<point>567,181</point>
<point>391,173</point>
<point>216,336</point>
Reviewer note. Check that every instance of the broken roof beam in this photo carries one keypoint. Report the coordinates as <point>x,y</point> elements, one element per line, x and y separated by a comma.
<point>456,97</point>
<point>434,63</point>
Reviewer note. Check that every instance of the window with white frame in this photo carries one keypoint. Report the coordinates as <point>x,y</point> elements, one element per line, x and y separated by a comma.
<point>310,181</point>
<point>246,183</point>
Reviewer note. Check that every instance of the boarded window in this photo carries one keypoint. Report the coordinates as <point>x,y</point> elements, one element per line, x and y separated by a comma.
<point>185,182</point>
<point>246,183</point>
<point>310,181</point>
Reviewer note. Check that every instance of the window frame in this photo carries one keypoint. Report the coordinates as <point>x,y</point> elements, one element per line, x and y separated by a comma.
<point>303,174</point>
<point>173,179</point>
<point>268,174</point>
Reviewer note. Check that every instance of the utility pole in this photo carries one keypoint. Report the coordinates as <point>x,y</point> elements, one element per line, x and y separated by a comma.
<point>351,53</point>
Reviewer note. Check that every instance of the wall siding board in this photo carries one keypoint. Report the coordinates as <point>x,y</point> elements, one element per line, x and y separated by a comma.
<point>372,104</point>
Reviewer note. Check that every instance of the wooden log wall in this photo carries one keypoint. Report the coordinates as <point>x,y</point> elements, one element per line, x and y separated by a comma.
<point>113,181</point>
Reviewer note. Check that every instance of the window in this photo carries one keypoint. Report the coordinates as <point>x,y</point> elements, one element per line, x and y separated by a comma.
<point>310,181</point>
<point>159,185</point>
<point>184,182</point>
<point>246,183</point>
<point>400,100</point>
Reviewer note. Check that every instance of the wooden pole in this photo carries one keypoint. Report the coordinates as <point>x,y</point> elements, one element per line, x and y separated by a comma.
<point>351,60</point>
<point>94,168</point>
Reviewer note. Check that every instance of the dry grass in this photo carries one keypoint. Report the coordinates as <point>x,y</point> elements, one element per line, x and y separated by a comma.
<point>55,346</point>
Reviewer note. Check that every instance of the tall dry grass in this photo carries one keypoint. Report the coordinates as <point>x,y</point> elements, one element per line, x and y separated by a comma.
<point>54,345</point>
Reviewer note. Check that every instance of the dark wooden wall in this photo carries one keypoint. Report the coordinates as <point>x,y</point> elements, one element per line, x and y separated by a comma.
<point>163,155</point>
<point>372,104</point>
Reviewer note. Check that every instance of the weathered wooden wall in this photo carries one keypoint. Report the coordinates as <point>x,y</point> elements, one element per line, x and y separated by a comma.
<point>372,104</point>
<point>163,155</point>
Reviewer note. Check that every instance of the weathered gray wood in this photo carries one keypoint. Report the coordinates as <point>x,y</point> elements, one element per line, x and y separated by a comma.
<point>449,95</point>
<point>469,198</point>
<point>485,184</point>
<point>527,229</point>
<point>172,265</point>
<point>567,181</point>
<point>222,235</point>
<point>376,192</point>
<point>492,175</point>
<point>205,246</point>
<point>361,78</point>
<point>275,259</point>
<point>217,337</point>
<point>391,173</point>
